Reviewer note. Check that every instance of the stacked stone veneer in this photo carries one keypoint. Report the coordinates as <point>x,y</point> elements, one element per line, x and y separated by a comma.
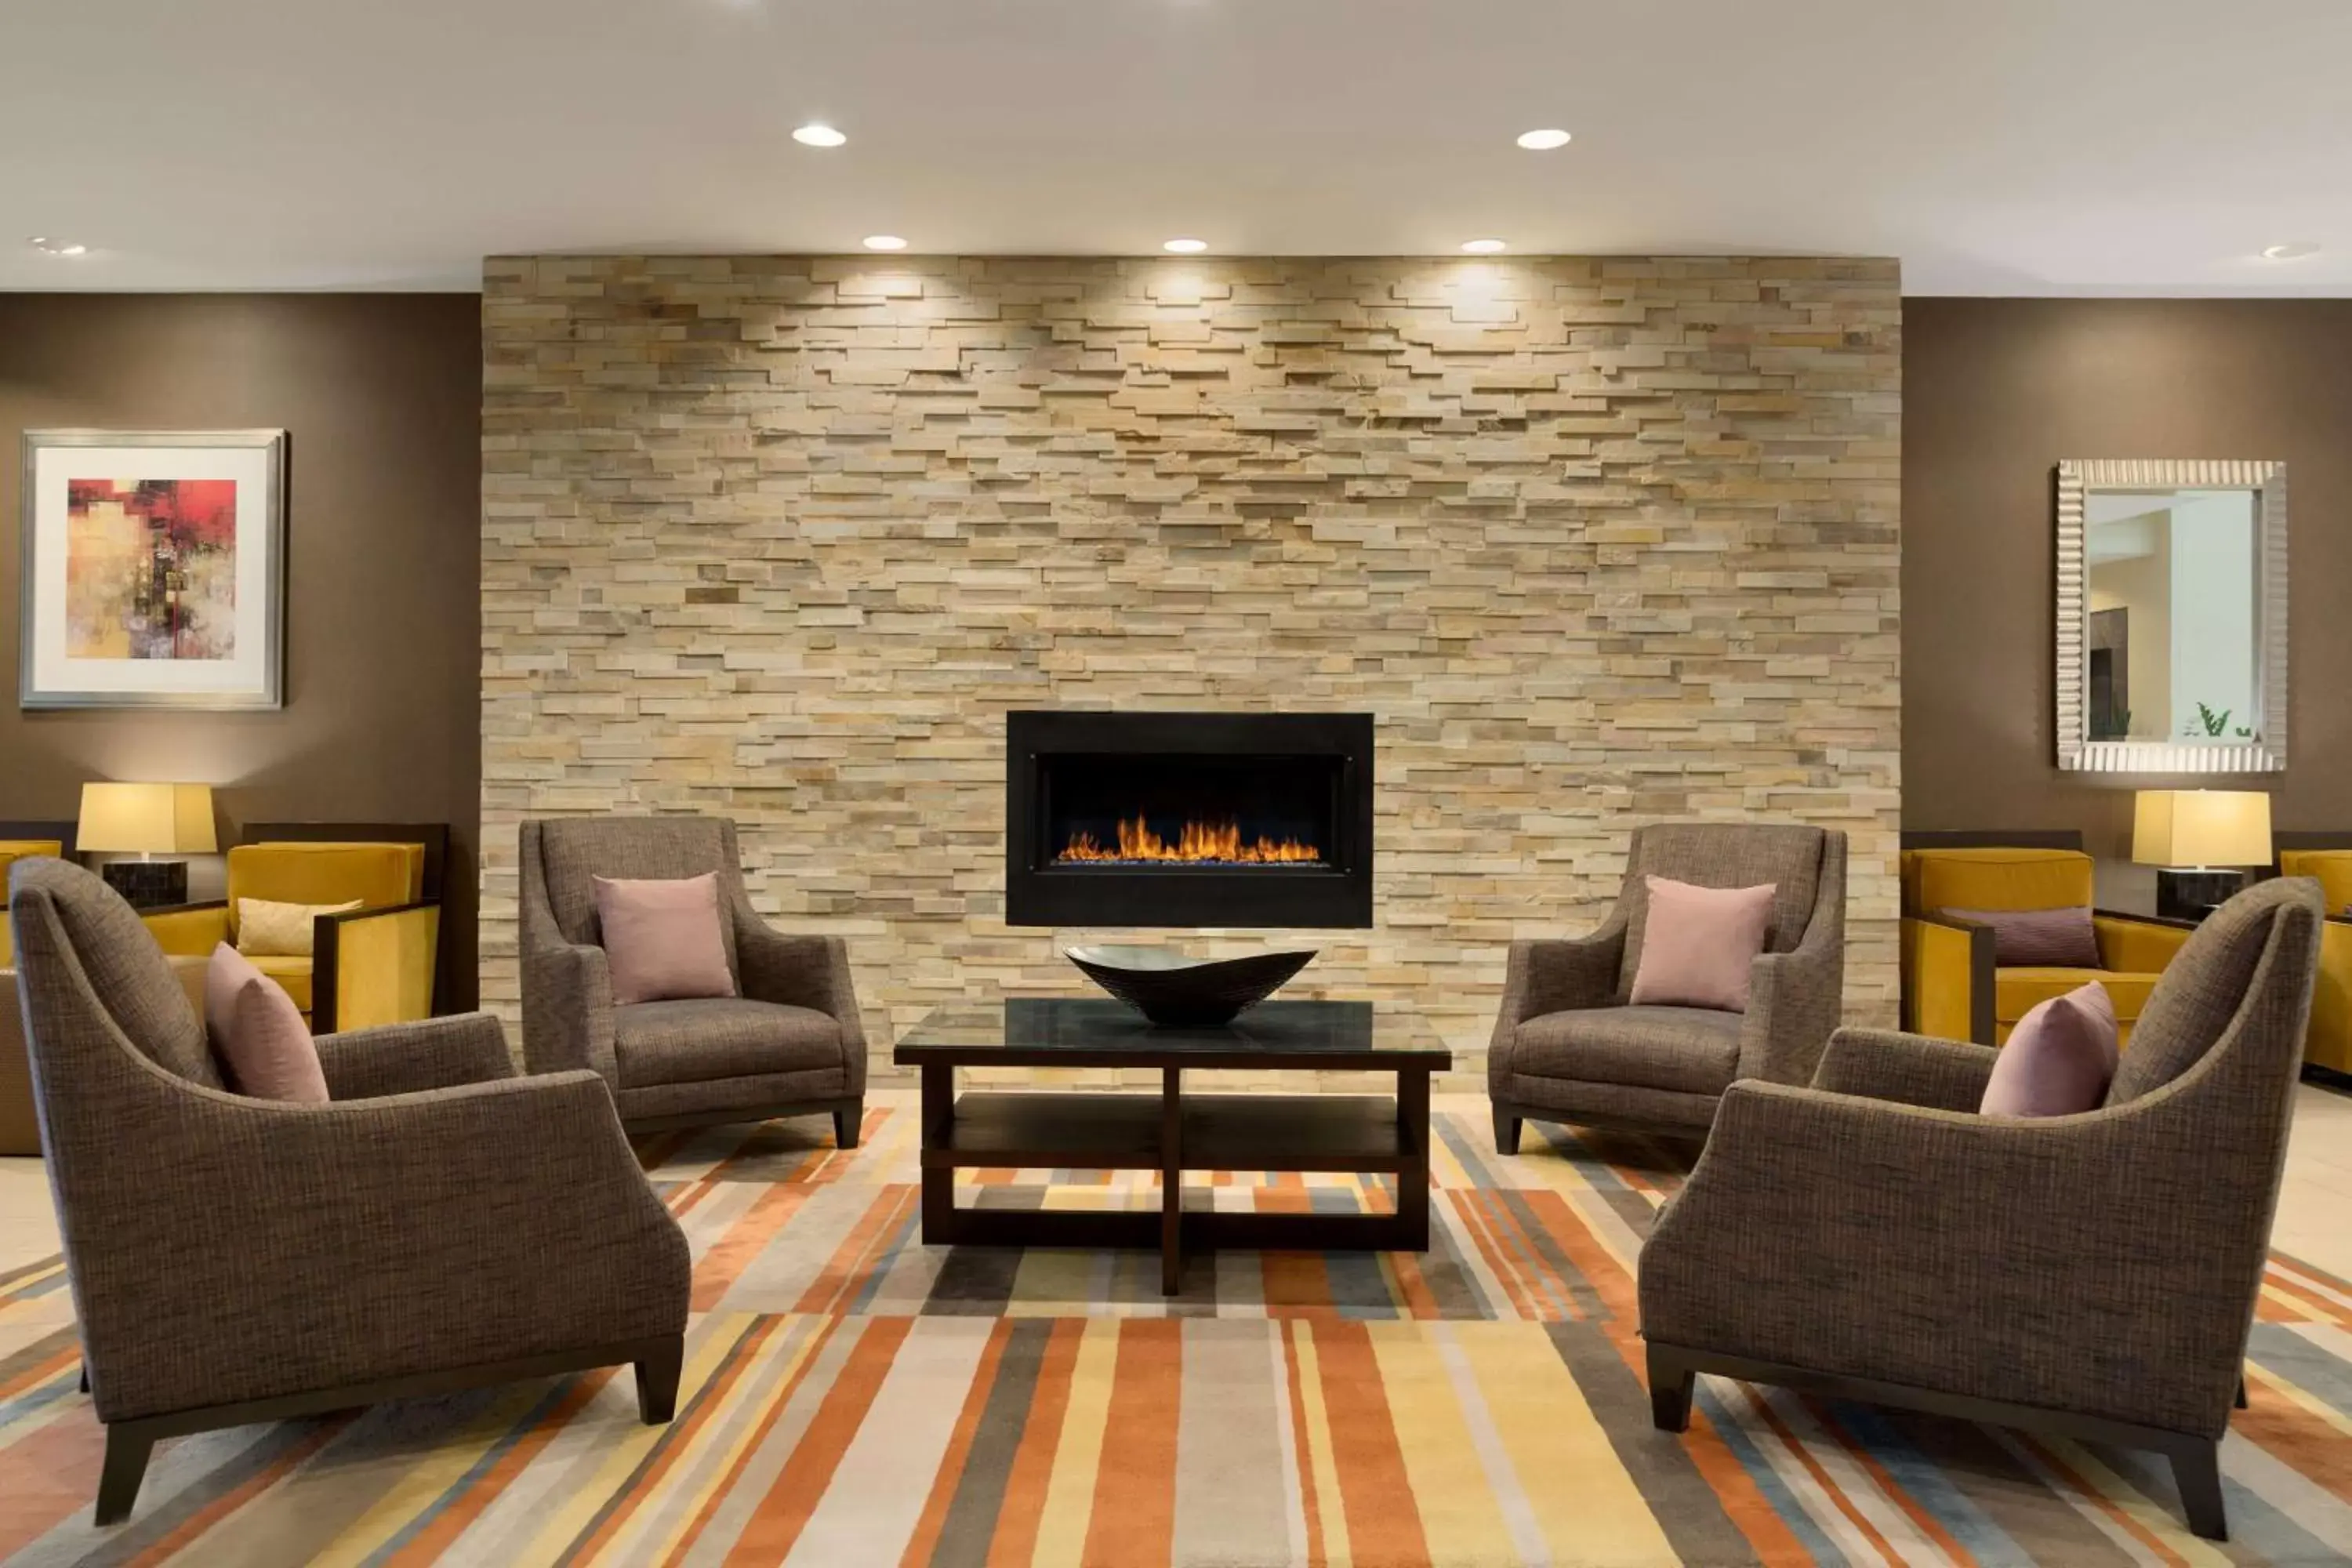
<point>1600,541</point>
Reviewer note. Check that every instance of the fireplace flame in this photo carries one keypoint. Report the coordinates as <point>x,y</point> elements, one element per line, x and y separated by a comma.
<point>1217,842</point>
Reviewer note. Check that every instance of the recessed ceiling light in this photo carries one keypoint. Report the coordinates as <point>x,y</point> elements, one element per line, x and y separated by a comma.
<point>1483,247</point>
<point>49,247</point>
<point>2294,252</point>
<point>884,242</point>
<point>1543,141</point>
<point>818,136</point>
<point>1185,247</point>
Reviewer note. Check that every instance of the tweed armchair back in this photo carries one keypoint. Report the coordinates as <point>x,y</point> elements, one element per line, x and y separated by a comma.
<point>2213,1004</point>
<point>1725,855</point>
<point>95,959</point>
<point>576,850</point>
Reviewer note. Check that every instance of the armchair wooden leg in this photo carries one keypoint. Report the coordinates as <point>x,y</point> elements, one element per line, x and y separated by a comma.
<point>85,1378</point>
<point>2197,1471</point>
<point>128,1446</point>
<point>2241,1393</point>
<point>1507,1131</point>
<point>849,1119</point>
<point>1670,1391</point>
<point>657,1382</point>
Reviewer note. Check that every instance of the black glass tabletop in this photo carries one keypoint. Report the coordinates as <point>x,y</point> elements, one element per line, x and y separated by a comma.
<point>1096,1031</point>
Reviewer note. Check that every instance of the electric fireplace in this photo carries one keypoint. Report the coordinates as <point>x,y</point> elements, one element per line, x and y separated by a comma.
<point>1188,819</point>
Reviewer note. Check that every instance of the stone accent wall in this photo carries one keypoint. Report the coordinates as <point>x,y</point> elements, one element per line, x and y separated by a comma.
<point>1600,541</point>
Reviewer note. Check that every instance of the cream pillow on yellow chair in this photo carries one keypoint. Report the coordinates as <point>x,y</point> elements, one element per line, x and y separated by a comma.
<point>265,928</point>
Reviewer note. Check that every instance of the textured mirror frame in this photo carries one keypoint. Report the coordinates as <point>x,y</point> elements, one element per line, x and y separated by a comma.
<point>2266,753</point>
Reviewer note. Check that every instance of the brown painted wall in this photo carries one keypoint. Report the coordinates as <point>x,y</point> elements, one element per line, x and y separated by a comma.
<point>1995,391</point>
<point>382,394</point>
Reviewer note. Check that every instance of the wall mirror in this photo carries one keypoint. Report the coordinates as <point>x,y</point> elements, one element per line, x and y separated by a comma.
<point>2171,641</point>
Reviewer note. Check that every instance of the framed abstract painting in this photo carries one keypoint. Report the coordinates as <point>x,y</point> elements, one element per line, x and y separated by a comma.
<point>154,569</point>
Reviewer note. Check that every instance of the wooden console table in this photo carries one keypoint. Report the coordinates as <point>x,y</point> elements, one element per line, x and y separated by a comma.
<point>1174,1130</point>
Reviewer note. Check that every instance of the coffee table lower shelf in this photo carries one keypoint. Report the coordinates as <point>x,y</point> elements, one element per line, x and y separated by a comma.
<point>1173,1132</point>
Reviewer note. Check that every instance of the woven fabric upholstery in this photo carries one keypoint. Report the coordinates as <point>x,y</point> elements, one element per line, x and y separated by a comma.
<point>2104,1265</point>
<point>124,966</point>
<point>222,1249</point>
<point>568,1016</point>
<point>1910,1069</point>
<point>1693,1049</point>
<point>1724,855</point>
<point>1795,988</point>
<point>703,1037</point>
<point>2193,1002</point>
<point>405,1059</point>
<point>1614,1104</point>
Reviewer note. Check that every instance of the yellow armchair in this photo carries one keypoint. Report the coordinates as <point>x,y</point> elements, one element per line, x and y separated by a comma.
<point>2328,1043</point>
<point>11,851</point>
<point>1952,987</point>
<point>371,965</point>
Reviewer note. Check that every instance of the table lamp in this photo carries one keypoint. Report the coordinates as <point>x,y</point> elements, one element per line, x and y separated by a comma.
<point>146,820</point>
<point>2187,833</point>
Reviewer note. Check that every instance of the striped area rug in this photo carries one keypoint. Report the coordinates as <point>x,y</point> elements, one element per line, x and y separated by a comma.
<point>852,1398</point>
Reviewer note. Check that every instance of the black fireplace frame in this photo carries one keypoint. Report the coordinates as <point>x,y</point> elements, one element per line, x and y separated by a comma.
<point>1039,893</point>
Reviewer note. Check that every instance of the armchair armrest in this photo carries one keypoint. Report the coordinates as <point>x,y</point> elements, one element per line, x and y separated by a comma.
<point>2050,1261</point>
<point>1794,1002</point>
<point>373,967</point>
<point>1553,976</point>
<point>403,1058</point>
<point>188,930</point>
<point>1948,978</point>
<point>567,1009</point>
<point>320,1245</point>
<point>1907,1070</point>
<point>800,969</point>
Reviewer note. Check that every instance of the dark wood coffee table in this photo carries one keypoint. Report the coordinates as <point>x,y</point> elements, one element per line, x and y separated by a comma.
<point>1173,1132</point>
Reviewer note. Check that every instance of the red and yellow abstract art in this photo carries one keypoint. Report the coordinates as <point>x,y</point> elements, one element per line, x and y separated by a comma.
<point>150,569</point>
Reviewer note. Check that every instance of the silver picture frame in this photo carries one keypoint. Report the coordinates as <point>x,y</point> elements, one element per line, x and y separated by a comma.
<point>2265,751</point>
<point>267,690</point>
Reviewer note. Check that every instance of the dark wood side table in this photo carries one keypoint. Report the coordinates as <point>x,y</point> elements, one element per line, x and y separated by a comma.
<point>1174,1130</point>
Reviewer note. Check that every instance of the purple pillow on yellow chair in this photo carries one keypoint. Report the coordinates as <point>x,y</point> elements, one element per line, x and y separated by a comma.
<point>2039,939</point>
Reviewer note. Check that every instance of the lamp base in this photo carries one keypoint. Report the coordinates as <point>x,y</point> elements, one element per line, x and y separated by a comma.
<point>148,884</point>
<point>2190,895</point>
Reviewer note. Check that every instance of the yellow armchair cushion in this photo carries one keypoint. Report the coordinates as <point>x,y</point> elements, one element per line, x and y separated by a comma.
<point>2332,866</point>
<point>2016,992</point>
<point>290,929</point>
<point>1998,879</point>
<point>377,876</point>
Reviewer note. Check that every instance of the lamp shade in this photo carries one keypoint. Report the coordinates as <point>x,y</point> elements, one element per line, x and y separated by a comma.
<point>2201,827</point>
<point>146,818</point>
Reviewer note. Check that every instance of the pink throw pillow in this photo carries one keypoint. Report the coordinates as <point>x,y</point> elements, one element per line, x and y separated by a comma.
<point>1697,944</point>
<point>663,938</point>
<point>2059,1060</point>
<point>258,1032</point>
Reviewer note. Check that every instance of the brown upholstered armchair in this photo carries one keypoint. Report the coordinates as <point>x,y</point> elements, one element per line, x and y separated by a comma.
<point>1568,1047</point>
<point>789,1044</point>
<point>1872,1238</point>
<point>441,1224</point>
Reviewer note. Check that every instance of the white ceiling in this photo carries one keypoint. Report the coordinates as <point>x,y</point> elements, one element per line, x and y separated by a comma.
<point>1997,146</point>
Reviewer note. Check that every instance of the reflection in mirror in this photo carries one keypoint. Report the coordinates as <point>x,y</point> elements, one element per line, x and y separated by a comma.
<point>2173,630</point>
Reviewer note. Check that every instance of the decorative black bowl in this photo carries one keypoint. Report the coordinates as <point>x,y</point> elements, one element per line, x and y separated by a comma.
<point>1177,992</point>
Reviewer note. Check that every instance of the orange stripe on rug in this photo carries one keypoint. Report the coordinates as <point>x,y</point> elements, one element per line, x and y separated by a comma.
<point>1015,1538</point>
<point>2302,1441</point>
<point>1921,1519</point>
<point>881,1217</point>
<point>716,1271</point>
<point>1823,1479</point>
<point>934,1519</point>
<point>64,1360</point>
<point>1383,1523</point>
<point>1296,1285</point>
<point>439,1532</point>
<point>2115,1512</point>
<point>186,1533</point>
<point>1743,1503</point>
<point>48,1475</point>
<point>721,1390</point>
<point>1478,1226</point>
<point>784,1512</point>
<point>1133,1518</point>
